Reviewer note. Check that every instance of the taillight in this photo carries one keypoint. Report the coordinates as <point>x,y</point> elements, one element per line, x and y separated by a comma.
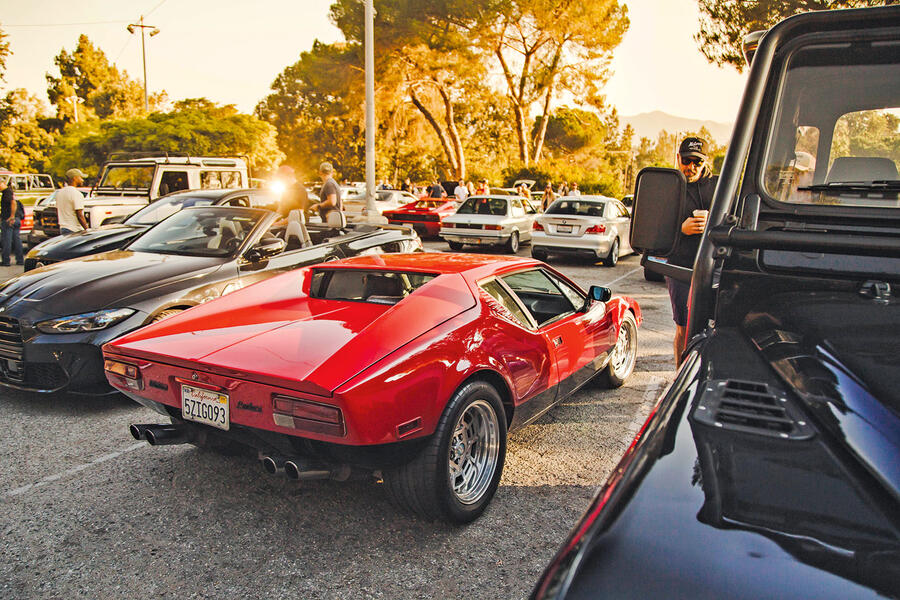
<point>537,226</point>
<point>596,229</point>
<point>128,374</point>
<point>308,415</point>
<point>493,227</point>
<point>448,225</point>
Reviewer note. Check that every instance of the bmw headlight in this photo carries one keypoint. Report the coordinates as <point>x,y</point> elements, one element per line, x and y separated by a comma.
<point>92,321</point>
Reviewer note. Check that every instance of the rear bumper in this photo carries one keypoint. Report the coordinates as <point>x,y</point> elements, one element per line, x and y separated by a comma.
<point>475,237</point>
<point>595,245</point>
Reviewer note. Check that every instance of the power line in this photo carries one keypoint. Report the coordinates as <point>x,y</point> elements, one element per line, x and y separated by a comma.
<point>7,26</point>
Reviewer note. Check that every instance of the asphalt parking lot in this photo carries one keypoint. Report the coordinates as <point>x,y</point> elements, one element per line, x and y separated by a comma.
<point>87,512</point>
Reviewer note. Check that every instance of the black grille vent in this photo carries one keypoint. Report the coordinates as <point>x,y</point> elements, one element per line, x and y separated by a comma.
<point>751,407</point>
<point>12,366</point>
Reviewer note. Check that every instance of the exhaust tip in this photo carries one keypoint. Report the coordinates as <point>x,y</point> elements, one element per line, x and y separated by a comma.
<point>151,439</point>
<point>292,470</point>
<point>273,466</point>
<point>137,432</point>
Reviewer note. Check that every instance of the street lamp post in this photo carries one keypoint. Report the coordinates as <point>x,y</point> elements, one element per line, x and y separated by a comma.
<point>153,31</point>
<point>371,210</point>
<point>75,101</point>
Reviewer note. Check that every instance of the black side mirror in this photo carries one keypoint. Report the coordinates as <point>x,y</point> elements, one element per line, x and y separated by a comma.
<point>659,195</point>
<point>596,294</point>
<point>265,248</point>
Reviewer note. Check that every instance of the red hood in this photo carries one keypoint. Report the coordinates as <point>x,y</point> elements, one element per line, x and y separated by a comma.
<point>273,333</point>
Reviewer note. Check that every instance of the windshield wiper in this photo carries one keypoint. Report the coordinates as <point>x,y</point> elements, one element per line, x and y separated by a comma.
<point>879,185</point>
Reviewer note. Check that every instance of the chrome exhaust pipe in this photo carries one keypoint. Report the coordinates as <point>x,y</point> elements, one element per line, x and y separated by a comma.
<point>299,470</point>
<point>273,464</point>
<point>166,435</point>
<point>138,431</point>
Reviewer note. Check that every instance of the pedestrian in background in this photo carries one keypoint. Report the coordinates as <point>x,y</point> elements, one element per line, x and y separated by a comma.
<point>574,191</point>
<point>692,161</point>
<point>11,218</point>
<point>70,204</point>
<point>470,188</point>
<point>330,193</point>
<point>483,189</point>
<point>461,192</point>
<point>294,196</point>
<point>549,196</point>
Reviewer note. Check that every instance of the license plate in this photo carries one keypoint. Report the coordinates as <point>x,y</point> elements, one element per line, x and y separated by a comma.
<point>564,228</point>
<point>473,240</point>
<point>205,406</point>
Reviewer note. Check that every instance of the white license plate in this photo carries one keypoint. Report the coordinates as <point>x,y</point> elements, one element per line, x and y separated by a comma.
<point>473,240</point>
<point>564,228</point>
<point>205,406</point>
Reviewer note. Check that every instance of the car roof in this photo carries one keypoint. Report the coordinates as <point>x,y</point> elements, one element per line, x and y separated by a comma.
<point>478,265</point>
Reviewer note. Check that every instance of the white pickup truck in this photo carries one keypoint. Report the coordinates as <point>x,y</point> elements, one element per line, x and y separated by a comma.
<point>126,185</point>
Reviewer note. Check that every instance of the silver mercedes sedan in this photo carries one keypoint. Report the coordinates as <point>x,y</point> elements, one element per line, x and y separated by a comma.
<point>594,226</point>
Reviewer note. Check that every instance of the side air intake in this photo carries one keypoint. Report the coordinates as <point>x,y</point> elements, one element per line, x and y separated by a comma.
<point>750,407</point>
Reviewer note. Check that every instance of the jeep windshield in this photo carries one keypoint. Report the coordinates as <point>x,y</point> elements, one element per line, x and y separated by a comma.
<point>835,138</point>
<point>126,178</point>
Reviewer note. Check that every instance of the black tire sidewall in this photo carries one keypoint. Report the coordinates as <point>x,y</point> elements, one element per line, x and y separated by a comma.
<point>464,396</point>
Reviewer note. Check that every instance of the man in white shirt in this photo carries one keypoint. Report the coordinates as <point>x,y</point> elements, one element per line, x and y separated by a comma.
<point>461,192</point>
<point>70,204</point>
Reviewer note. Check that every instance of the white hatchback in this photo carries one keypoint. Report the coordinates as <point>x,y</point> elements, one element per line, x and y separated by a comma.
<point>595,226</point>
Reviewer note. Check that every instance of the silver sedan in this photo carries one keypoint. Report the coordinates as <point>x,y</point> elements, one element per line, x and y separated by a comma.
<point>489,220</point>
<point>595,226</point>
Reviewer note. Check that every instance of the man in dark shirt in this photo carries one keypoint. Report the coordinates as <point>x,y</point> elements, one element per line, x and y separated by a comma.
<point>9,224</point>
<point>295,196</point>
<point>692,160</point>
<point>330,194</point>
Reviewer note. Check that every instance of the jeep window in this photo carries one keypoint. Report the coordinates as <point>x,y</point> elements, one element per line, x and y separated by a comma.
<point>127,177</point>
<point>217,180</point>
<point>173,181</point>
<point>835,137</point>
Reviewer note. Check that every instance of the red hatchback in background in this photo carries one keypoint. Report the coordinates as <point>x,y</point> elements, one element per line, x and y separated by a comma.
<point>425,215</point>
<point>411,366</point>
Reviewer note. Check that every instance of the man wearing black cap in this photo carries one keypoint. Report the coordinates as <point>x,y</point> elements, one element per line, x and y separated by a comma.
<point>692,160</point>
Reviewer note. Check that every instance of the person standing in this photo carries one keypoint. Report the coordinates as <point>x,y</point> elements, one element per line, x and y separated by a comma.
<point>483,189</point>
<point>9,226</point>
<point>548,197</point>
<point>70,204</point>
<point>461,192</point>
<point>330,194</point>
<point>574,191</point>
<point>693,155</point>
<point>294,196</point>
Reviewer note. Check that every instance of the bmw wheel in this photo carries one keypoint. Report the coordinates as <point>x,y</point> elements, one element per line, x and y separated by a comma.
<point>512,246</point>
<point>455,476</point>
<point>613,257</point>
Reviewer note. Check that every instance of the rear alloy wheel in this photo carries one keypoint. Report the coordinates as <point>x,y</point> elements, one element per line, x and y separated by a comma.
<point>455,476</point>
<point>512,246</point>
<point>455,246</point>
<point>613,257</point>
<point>623,354</point>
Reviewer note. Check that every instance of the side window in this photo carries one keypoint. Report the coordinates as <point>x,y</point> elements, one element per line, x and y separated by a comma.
<point>239,201</point>
<point>173,181</point>
<point>621,211</point>
<point>505,304</point>
<point>209,180</point>
<point>20,182</point>
<point>517,209</point>
<point>543,297</point>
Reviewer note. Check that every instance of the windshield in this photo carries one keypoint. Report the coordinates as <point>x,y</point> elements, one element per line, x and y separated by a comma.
<point>212,231</point>
<point>127,177</point>
<point>165,207</point>
<point>576,207</point>
<point>483,206</point>
<point>835,138</point>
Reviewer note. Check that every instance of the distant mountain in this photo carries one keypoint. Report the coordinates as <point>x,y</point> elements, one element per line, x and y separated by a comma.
<point>650,124</point>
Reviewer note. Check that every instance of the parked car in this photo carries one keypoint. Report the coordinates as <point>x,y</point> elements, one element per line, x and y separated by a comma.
<point>355,204</point>
<point>411,365</point>
<point>424,215</point>
<point>113,237</point>
<point>770,467</point>
<point>595,226</point>
<point>53,320</point>
<point>489,221</point>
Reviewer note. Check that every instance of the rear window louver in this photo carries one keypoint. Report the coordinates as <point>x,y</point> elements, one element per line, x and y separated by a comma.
<point>751,407</point>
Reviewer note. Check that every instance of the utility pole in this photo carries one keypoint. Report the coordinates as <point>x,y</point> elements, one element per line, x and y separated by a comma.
<point>75,101</point>
<point>153,31</point>
<point>371,210</point>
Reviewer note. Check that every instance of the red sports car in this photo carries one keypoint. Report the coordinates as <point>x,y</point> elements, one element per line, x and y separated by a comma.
<point>424,215</point>
<point>411,365</point>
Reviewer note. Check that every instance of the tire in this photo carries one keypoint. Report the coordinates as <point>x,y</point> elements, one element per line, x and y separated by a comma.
<point>166,314</point>
<point>613,257</point>
<point>431,485</point>
<point>652,276</point>
<point>455,246</point>
<point>623,355</point>
<point>512,246</point>
<point>539,254</point>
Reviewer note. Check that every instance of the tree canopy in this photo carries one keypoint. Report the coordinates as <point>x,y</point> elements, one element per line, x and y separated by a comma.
<point>4,53</point>
<point>724,23</point>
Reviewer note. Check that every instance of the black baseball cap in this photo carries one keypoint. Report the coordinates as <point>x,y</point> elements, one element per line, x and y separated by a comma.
<point>694,147</point>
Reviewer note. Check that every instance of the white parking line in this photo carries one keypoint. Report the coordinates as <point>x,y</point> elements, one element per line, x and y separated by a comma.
<point>73,470</point>
<point>628,274</point>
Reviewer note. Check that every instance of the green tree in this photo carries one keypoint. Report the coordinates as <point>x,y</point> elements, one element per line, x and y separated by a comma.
<point>24,145</point>
<point>4,54</point>
<point>199,128</point>
<point>104,91</point>
<point>570,130</point>
<point>867,133</point>
<point>724,23</point>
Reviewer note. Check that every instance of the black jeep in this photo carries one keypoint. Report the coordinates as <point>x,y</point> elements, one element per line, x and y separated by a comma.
<point>770,468</point>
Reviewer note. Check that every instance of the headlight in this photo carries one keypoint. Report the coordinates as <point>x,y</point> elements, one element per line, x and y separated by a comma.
<point>86,321</point>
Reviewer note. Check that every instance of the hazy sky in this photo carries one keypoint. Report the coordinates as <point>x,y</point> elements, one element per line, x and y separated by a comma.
<point>230,51</point>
